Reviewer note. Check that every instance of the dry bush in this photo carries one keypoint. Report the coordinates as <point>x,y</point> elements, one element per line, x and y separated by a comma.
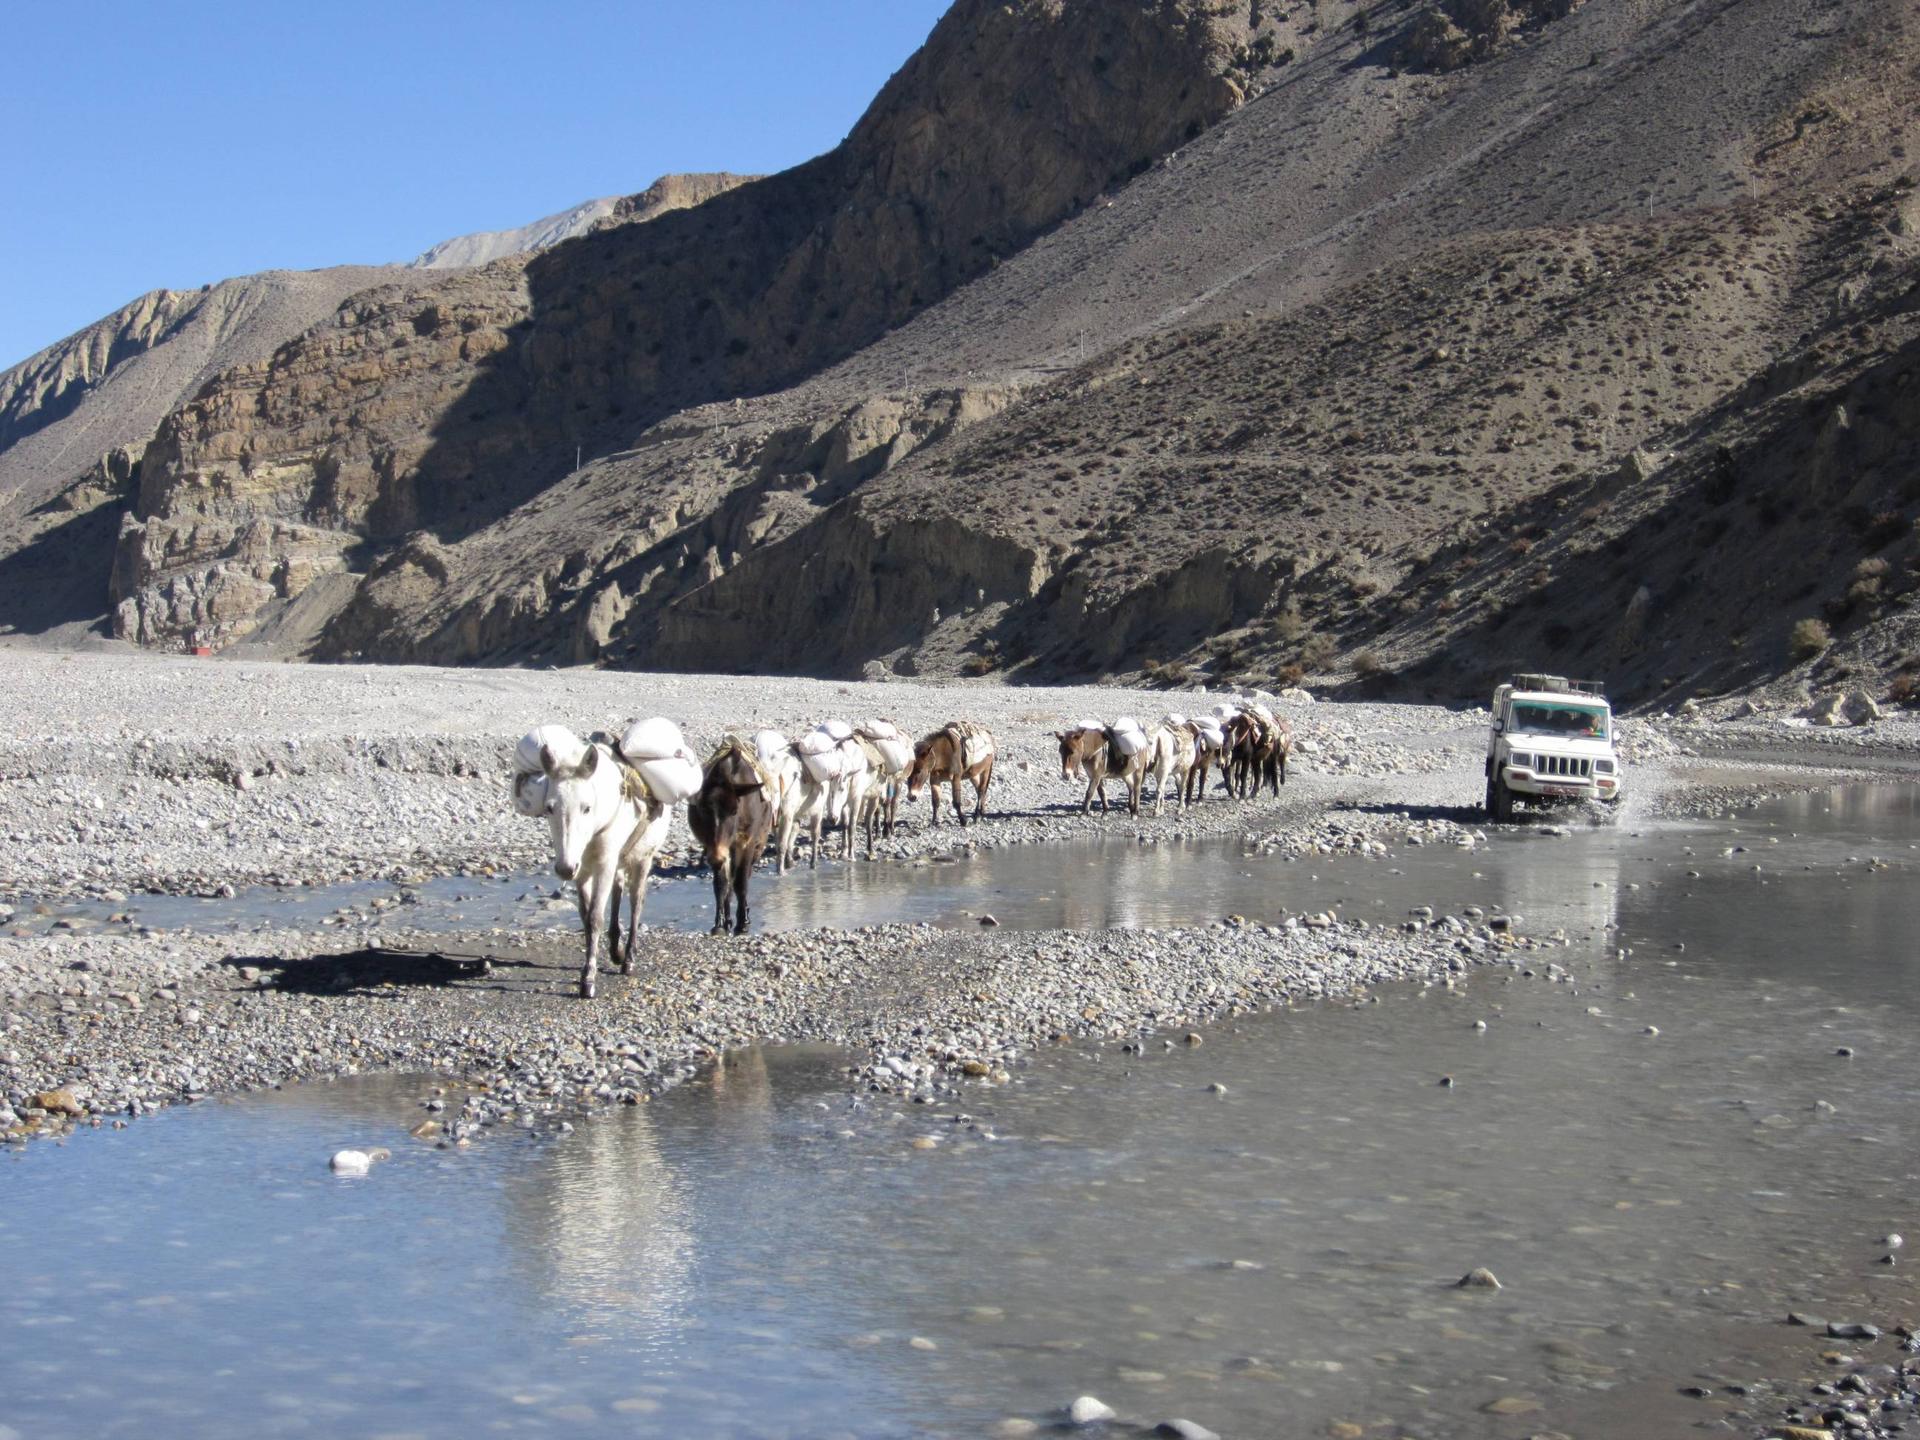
<point>1905,689</point>
<point>1316,652</point>
<point>1808,638</point>
<point>1520,545</point>
<point>1288,626</point>
<point>1369,666</point>
<point>1288,675</point>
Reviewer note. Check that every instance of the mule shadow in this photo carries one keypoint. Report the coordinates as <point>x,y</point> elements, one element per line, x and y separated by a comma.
<point>371,970</point>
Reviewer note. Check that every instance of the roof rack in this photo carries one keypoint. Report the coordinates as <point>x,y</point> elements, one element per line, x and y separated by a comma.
<point>1560,684</point>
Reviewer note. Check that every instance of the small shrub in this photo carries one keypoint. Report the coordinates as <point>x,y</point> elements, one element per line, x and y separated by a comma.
<point>1905,689</point>
<point>1808,638</point>
<point>1316,652</point>
<point>1288,675</point>
<point>977,665</point>
<point>1520,545</point>
<point>1369,666</point>
<point>1872,568</point>
<point>1287,627</point>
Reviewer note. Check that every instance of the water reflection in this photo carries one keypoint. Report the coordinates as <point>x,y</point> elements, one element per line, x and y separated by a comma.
<point>602,1230</point>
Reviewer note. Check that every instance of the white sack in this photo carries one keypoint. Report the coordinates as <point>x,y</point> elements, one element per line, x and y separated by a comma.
<point>568,748</point>
<point>655,739</point>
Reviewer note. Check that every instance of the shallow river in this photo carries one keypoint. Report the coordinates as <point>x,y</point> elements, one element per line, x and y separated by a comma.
<point>761,1254</point>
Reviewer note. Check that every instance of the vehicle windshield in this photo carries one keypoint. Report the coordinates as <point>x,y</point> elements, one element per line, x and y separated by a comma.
<point>1540,717</point>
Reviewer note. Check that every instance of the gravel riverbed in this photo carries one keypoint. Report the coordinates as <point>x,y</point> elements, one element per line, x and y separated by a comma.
<point>140,773</point>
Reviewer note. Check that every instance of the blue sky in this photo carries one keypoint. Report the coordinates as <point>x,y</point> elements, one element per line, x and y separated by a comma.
<point>176,144</point>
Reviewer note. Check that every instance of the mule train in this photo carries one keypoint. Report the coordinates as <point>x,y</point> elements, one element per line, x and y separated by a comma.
<point>609,803</point>
<point>1248,742</point>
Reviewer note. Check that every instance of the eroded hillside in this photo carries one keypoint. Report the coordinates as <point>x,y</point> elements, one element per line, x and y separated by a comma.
<point>1398,341</point>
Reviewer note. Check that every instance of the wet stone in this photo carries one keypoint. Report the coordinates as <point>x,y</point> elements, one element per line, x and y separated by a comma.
<point>1089,1410</point>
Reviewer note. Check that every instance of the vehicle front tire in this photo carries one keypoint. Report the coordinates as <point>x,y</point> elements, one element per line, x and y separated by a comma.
<point>1499,801</point>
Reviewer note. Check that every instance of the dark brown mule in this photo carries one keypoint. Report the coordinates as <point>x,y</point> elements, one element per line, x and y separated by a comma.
<point>731,817</point>
<point>941,758</point>
<point>1239,765</point>
<point>1256,754</point>
<point>1084,752</point>
<point>1270,760</point>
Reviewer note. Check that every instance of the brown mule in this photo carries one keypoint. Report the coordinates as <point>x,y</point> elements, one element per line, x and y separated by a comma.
<point>731,817</point>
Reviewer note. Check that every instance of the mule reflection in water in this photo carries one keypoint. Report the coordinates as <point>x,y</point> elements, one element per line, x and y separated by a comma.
<point>603,1227</point>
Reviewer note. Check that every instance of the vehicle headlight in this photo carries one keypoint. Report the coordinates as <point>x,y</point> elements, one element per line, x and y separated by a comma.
<point>1525,762</point>
<point>1603,767</point>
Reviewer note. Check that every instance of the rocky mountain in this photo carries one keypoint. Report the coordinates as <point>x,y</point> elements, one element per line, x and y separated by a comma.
<point>670,192</point>
<point>1389,343</point>
<point>76,418</point>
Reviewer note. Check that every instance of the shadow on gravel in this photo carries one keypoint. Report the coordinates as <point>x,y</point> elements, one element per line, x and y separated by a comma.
<point>368,970</point>
<point>1468,815</point>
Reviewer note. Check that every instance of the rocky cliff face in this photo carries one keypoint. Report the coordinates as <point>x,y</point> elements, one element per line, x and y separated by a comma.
<point>443,409</point>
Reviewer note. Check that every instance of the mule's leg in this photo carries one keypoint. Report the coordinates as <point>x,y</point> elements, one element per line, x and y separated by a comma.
<point>959,806</point>
<point>1283,769</point>
<point>598,889</point>
<point>740,900</point>
<point>980,792</point>
<point>813,832</point>
<point>722,889</point>
<point>613,921</point>
<point>933,794</point>
<point>636,897</point>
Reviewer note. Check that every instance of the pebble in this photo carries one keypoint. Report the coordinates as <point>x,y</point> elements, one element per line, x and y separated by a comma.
<point>60,1102</point>
<point>350,1162</point>
<point>1088,1410</point>
<point>1478,1278</point>
<point>1184,1430</point>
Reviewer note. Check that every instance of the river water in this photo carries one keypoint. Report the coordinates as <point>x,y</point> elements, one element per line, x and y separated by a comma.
<point>762,1254</point>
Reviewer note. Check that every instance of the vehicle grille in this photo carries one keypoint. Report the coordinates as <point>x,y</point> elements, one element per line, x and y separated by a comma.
<point>1573,766</point>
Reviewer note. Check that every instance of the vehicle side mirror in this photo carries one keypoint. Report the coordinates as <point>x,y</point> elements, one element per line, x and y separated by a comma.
<point>1498,726</point>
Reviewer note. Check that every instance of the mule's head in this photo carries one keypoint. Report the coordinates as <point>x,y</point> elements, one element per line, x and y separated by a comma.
<point>921,771</point>
<point>581,799</point>
<point>729,779</point>
<point>1070,756</point>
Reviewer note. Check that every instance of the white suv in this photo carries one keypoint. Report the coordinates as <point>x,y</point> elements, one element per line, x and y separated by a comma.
<point>1551,740</point>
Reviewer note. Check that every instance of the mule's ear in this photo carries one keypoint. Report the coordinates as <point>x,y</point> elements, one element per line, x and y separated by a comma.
<point>746,789</point>
<point>549,762</point>
<point>591,763</point>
